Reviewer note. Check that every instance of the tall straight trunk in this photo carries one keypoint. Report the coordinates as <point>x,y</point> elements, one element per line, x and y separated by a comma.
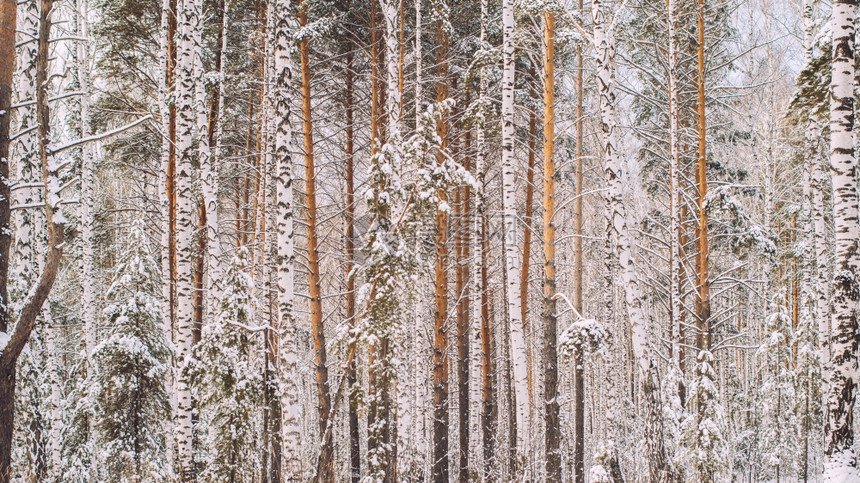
<point>703,286</point>
<point>188,47</point>
<point>675,260</point>
<point>349,249</point>
<point>8,25</point>
<point>552,432</point>
<point>518,354</point>
<point>839,456</point>
<point>89,288</point>
<point>658,469</point>
<point>167,200</point>
<point>440,339</point>
<point>418,64</point>
<point>325,468</point>
<point>463,204</point>
<point>206,202</point>
<point>482,332</point>
<point>18,334</point>
<point>88,270</point>
<point>578,368</point>
<point>288,357</point>
<point>208,163</point>
<point>527,233</point>
<point>815,198</point>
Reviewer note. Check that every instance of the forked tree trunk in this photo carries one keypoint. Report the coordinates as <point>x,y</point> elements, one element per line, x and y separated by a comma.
<point>839,456</point>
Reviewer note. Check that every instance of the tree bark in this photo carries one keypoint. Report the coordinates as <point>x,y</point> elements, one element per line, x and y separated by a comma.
<point>839,456</point>
<point>288,359</point>
<point>18,334</point>
<point>325,468</point>
<point>518,354</point>
<point>578,368</point>
<point>552,432</point>
<point>349,249</point>
<point>658,469</point>
<point>440,339</point>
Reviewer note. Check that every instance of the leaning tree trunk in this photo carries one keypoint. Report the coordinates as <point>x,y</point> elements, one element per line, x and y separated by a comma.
<point>840,463</point>
<point>17,335</point>
<point>605,52</point>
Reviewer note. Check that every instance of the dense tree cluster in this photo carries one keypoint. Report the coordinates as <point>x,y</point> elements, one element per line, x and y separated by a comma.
<point>428,240</point>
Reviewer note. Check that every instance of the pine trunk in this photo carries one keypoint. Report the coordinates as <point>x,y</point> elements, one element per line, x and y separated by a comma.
<point>440,339</point>
<point>325,468</point>
<point>552,432</point>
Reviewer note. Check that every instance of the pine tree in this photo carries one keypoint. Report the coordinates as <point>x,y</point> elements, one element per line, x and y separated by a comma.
<point>778,443</point>
<point>227,383</point>
<point>131,365</point>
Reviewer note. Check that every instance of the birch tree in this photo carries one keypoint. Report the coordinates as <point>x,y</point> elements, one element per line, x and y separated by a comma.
<point>620,230</point>
<point>291,412</point>
<point>518,354</point>
<point>840,460</point>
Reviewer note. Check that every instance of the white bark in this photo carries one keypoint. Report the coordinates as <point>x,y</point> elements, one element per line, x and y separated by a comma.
<point>188,46</point>
<point>209,174</point>
<point>618,220</point>
<point>475,351</point>
<point>288,359</point>
<point>840,463</point>
<point>418,65</point>
<point>26,159</point>
<point>518,353</point>
<point>89,288</point>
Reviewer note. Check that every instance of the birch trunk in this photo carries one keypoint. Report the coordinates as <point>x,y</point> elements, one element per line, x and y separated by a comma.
<point>840,463</point>
<point>658,469</point>
<point>186,125</point>
<point>288,358</point>
<point>477,292</point>
<point>518,354</point>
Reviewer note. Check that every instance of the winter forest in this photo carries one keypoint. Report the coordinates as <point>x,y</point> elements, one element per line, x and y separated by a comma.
<point>387,241</point>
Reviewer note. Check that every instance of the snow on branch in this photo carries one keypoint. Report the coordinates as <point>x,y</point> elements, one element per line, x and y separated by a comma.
<point>97,137</point>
